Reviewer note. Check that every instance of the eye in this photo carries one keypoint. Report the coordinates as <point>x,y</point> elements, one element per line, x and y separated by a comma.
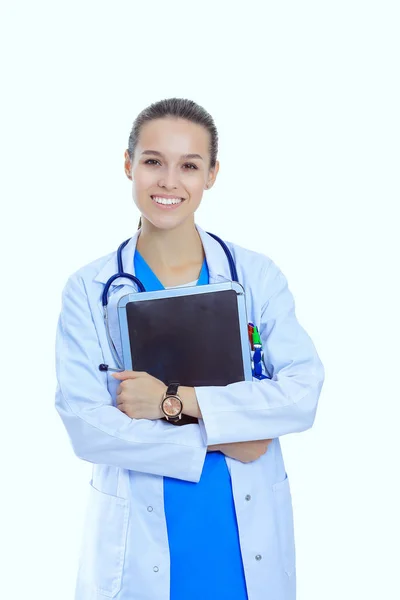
<point>152,161</point>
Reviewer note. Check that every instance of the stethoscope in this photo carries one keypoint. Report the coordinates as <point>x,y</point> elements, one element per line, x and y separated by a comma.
<point>121,273</point>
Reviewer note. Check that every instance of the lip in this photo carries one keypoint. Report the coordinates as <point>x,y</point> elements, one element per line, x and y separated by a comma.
<point>166,206</point>
<point>166,196</point>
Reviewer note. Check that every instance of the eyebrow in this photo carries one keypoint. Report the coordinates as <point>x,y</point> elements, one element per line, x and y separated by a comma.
<point>161,154</point>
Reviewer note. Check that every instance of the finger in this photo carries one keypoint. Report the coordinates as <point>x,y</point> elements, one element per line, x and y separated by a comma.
<point>129,374</point>
<point>122,375</point>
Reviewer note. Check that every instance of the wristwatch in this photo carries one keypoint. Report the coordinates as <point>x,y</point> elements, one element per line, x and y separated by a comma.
<point>171,404</point>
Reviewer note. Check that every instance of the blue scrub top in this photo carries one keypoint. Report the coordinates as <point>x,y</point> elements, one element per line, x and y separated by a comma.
<point>206,562</point>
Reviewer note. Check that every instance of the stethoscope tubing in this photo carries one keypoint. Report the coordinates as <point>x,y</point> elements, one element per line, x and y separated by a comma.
<point>141,288</point>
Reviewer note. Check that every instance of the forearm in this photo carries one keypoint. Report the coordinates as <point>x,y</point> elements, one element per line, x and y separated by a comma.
<point>104,435</point>
<point>286,401</point>
<point>189,401</point>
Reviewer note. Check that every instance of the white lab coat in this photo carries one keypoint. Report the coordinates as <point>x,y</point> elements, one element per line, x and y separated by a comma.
<point>124,552</point>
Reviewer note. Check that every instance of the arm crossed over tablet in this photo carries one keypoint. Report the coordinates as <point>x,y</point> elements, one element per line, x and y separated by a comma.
<point>139,394</point>
<point>284,402</point>
<point>245,411</point>
<point>98,431</point>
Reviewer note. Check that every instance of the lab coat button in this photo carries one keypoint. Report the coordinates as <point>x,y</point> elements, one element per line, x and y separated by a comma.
<point>258,557</point>
<point>155,569</point>
<point>248,497</point>
<point>150,508</point>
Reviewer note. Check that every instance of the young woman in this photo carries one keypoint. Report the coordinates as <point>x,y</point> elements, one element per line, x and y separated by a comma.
<point>202,511</point>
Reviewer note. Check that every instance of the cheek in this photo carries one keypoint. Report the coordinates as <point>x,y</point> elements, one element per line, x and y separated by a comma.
<point>141,183</point>
<point>195,185</point>
<point>142,180</point>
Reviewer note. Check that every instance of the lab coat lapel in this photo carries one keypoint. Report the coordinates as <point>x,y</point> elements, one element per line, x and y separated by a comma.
<point>217,261</point>
<point>111,266</point>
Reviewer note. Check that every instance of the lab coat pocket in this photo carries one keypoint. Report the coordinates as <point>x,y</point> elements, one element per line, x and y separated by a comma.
<point>104,541</point>
<point>285,524</point>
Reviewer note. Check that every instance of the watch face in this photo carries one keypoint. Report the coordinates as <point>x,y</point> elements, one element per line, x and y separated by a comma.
<point>172,406</point>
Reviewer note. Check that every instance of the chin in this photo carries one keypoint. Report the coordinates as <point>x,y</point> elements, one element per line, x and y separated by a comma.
<point>168,221</point>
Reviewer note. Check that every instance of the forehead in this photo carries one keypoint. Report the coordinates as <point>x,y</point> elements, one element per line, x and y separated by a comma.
<point>174,136</point>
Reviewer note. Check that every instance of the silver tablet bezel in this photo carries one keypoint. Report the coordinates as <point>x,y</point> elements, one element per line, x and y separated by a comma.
<point>187,291</point>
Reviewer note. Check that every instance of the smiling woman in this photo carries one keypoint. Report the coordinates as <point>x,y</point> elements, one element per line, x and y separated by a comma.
<point>201,511</point>
<point>168,131</point>
<point>182,141</point>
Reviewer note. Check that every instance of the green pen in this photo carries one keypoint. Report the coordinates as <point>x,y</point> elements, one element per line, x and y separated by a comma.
<point>256,337</point>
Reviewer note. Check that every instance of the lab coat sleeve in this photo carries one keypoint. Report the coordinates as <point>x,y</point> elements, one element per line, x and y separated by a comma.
<point>99,432</point>
<point>287,400</point>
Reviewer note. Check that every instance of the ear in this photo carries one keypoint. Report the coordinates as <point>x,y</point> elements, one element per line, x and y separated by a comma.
<point>212,176</point>
<point>128,165</point>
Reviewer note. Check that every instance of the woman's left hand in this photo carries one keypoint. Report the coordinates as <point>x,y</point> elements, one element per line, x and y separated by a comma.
<point>139,395</point>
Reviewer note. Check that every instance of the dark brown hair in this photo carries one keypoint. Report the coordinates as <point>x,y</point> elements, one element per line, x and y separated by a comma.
<point>179,108</point>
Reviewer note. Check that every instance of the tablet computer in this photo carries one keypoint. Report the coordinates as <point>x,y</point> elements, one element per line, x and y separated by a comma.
<point>196,336</point>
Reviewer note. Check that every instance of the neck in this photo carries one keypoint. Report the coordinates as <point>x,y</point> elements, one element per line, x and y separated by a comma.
<point>170,248</point>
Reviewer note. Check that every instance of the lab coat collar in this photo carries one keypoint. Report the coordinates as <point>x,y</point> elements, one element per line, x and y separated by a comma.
<point>217,261</point>
<point>111,266</point>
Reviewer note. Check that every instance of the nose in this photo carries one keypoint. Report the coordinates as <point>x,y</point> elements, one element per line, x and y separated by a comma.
<point>169,179</point>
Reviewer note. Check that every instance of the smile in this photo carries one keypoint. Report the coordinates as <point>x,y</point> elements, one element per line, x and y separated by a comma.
<point>167,202</point>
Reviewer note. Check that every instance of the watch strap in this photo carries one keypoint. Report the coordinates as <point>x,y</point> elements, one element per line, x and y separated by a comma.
<point>172,389</point>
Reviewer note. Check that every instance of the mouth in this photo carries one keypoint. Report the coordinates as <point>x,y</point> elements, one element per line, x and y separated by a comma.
<point>167,203</point>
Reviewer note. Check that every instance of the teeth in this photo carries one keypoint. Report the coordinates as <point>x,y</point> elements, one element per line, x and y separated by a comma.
<point>167,200</point>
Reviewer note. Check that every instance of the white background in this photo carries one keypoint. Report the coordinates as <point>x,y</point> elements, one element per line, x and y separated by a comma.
<point>306,99</point>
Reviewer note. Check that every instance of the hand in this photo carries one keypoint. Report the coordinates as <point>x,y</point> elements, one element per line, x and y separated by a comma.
<point>139,395</point>
<point>245,452</point>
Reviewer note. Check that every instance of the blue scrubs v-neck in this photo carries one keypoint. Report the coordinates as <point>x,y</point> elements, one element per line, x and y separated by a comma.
<point>206,561</point>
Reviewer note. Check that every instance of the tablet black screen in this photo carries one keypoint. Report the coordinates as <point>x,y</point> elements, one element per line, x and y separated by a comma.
<point>192,339</point>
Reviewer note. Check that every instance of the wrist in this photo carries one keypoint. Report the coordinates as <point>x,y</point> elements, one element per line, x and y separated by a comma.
<point>162,415</point>
<point>189,400</point>
<point>171,404</point>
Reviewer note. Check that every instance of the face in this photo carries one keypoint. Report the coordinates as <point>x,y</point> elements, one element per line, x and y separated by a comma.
<point>168,185</point>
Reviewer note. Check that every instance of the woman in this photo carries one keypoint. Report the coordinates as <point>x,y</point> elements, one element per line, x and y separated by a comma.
<point>201,511</point>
